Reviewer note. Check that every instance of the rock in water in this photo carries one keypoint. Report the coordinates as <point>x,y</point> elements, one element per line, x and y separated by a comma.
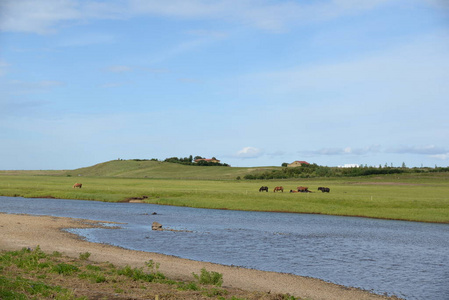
<point>156,226</point>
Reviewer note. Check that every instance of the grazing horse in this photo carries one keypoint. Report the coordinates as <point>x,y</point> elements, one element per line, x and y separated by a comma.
<point>324,189</point>
<point>303,189</point>
<point>263,188</point>
<point>278,188</point>
<point>77,185</point>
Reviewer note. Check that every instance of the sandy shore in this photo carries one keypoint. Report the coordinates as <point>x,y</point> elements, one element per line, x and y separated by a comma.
<point>18,231</point>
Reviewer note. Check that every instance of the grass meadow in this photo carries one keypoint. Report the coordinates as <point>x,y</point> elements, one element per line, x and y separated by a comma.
<point>413,197</point>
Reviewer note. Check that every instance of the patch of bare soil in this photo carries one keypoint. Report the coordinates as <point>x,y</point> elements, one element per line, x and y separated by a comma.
<point>135,199</point>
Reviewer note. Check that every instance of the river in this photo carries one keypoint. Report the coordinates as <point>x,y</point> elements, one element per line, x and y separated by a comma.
<point>406,259</point>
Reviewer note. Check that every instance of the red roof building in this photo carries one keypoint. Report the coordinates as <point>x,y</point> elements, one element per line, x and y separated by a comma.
<point>208,160</point>
<point>298,163</point>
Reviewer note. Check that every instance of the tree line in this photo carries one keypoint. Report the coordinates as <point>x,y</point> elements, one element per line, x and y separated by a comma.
<point>190,161</point>
<point>314,170</point>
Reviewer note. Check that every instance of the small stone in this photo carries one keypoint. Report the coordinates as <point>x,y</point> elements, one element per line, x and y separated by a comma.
<point>156,226</point>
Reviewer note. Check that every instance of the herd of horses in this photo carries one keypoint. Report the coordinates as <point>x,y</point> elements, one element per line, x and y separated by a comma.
<point>299,189</point>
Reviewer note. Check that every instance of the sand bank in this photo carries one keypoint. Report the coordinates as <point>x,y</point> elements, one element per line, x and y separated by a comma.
<point>18,231</point>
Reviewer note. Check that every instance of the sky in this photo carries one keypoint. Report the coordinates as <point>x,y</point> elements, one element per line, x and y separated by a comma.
<point>250,82</point>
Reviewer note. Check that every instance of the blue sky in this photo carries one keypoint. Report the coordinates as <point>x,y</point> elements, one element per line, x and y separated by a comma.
<point>253,83</point>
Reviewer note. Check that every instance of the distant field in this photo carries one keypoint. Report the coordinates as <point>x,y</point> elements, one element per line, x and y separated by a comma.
<point>416,197</point>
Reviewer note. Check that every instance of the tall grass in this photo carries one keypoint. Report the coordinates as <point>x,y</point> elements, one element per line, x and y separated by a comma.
<point>409,197</point>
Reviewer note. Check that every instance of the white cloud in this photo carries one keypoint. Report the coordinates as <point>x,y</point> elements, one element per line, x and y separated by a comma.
<point>209,33</point>
<point>36,16</point>
<point>428,150</point>
<point>444,156</point>
<point>45,16</point>
<point>267,15</point>
<point>343,151</point>
<point>249,152</point>
<point>432,150</point>
<point>414,70</point>
<point>87,39</point>
<point>112,85</point>
<point>3,67</point>
<point>439,3</point>
<point>119,69</point>
<point>23,87</point>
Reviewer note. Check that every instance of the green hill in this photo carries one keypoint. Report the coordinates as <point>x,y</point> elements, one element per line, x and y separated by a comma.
<point>163,170</point>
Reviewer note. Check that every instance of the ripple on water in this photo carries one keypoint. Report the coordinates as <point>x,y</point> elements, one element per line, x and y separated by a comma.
<point>406,259</point>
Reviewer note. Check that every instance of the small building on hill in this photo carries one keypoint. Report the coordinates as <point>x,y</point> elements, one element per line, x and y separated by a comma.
<point>298,163</point>
<point>213,160</point>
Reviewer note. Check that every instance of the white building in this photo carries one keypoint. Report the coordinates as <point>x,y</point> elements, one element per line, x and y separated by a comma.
<point>349,166</point>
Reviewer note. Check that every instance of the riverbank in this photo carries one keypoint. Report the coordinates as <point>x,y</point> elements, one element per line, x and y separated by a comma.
<point>20,231</point>
<point>407,198</point>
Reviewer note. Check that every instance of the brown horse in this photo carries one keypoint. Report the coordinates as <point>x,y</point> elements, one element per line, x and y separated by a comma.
<point>77,185</point>
<point>278,188</point>
<point>303,189</point>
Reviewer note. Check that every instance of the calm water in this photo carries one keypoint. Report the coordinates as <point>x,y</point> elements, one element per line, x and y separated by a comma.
<point>406,259</point>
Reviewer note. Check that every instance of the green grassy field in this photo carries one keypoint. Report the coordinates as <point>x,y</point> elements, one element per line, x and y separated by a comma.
<point>415,197</point>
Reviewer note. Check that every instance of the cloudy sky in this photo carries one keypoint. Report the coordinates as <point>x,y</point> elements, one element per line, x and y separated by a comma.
<point>251,82</point>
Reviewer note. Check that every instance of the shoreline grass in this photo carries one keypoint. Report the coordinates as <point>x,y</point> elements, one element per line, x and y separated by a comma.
<point>34,274</point>
<point>408,197</point>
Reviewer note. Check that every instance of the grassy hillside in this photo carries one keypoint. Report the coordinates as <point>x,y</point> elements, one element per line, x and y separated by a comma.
<point>162,170</point>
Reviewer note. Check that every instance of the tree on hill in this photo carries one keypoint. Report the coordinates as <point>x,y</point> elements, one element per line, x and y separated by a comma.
<point>196,161</point>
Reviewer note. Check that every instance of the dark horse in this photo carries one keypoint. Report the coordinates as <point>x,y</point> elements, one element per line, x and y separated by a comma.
<point>324,189</point>
<point>278,188</point>
<point>77,185</point>
<point>263,188</point>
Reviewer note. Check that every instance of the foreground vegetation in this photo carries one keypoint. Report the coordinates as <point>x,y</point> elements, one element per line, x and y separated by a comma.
<point>33,274</point>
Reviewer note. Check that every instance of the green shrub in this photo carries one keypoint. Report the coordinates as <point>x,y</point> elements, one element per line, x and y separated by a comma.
<point>93,268</point>
<point>56,254</point>
<point>93,277</point>
<point>190,286</point>
<point>84,256</point>
<point>214,292</point>
<point>206,277</point>
<point>28,259</point>
<point>65,269</point>
<point>19,287</point>
<point>136,274</point>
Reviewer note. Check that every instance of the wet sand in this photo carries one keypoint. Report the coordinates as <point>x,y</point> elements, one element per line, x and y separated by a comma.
<point>18,231</point>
